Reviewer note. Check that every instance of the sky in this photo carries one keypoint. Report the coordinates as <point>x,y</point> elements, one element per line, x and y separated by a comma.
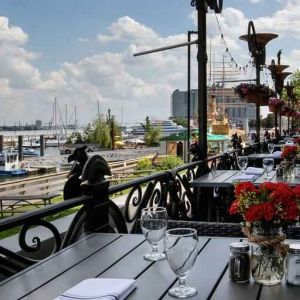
<point>81,53</point>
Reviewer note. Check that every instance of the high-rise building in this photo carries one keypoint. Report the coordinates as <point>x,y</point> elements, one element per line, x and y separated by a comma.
<point>228,104</point>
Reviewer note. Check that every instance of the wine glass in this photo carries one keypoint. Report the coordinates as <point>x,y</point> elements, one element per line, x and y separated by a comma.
<point>271,148</point>
<point>242,162</point>
<point>154,225</point>
<point>181,250</point>
<point>268,164</point>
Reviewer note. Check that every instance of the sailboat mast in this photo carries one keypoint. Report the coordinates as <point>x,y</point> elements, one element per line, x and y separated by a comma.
<point>75,123</point>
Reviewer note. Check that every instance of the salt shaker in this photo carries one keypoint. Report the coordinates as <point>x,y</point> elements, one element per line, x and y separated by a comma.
<point>239,262</point>
<point>293,265</point>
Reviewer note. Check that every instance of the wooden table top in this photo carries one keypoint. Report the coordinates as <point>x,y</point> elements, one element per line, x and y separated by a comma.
<point>121,256</point>
<point>226,178</point>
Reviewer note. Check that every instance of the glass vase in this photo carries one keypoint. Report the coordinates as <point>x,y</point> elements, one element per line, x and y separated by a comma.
<point>268,255</point>
<point>288,166</point>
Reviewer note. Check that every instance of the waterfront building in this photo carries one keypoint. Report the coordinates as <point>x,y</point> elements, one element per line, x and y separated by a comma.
<point>228,104</point>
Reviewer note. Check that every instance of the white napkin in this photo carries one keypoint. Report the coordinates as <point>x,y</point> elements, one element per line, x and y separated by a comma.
<point>277,153</point>
<point>254,171</point>
<point>244,177</point>
<point>100,288</point>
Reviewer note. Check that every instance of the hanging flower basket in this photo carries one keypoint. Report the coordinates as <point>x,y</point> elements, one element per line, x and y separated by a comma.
<point>254,93</point>
<point>275,104</point>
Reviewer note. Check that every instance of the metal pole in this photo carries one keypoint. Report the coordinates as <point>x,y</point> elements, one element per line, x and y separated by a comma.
<point>1,143</point>
<point>188,95</point>
<point>42,149</point>
<point>20,147</point>
<point>165,48</point>
<point>202,92</point>
<point>257,104</point>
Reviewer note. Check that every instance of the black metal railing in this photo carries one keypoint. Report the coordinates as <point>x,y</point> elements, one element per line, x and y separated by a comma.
<point>98,213</point>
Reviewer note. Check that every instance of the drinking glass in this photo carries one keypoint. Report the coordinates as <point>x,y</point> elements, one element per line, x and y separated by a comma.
<point>271,148</point>
<point>181,250</point>
<point>154,225</point>
<point>242,162</point>
<point>268,164</point>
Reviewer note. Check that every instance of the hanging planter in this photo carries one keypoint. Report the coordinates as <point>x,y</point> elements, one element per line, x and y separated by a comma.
<point>254,93</point>
<point>275,104</point>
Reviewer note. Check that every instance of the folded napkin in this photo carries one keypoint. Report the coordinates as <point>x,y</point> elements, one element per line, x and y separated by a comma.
<point>277,153</point>
<point>100,288</point>
<point>254,171</point>
<point>244,177</point>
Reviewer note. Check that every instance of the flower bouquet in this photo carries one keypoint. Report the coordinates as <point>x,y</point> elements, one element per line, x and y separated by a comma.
<point>296,141</point>
<point>265,209</point>
<point>289,153</point>
<point>254,93</point>
<point>275,104</point>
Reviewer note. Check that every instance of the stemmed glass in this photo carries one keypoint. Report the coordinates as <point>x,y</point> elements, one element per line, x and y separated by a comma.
<point>181,250</point>
<point>271,148</point>
<point>154,225</point>
<point>268,164</point>
<point>242,162</point>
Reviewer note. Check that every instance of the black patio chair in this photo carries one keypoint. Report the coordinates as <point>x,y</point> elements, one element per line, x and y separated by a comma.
<point>203,228</point>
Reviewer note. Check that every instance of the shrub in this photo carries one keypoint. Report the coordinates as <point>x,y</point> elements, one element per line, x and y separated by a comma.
<point>170,162</point>
<point>144,164</point>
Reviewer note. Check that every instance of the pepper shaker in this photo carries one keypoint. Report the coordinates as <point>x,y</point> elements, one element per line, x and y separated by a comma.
<point>239,262</point>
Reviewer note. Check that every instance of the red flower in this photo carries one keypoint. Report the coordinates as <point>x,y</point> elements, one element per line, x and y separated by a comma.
<point>244,187</point>
<point>296,191</point>
<point>271,202</point>
<point>289,151</point>
<point>234,207</point>
<point>296,141</point>
<point>254,213</point>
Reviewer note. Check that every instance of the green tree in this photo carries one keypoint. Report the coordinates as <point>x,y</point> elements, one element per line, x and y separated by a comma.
<point>181,121</point>
<point>268,122</point>
<point>152,134</point>
<point>103,131</point>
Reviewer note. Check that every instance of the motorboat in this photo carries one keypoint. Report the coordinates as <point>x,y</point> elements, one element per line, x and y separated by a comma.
<point>10,165</point>
<point>30,152</point>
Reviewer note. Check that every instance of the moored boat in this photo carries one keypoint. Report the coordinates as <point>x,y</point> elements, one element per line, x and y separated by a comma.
<point>9,164</point>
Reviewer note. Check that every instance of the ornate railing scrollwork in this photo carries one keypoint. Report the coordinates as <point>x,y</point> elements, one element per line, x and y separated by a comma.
<point>36,240</point>
<point>168,188</point>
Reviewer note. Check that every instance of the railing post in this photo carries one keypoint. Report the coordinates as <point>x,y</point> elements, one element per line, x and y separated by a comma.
<point>97,216</point>
<point>20,147</point>
<point>1,143</point>
<point>42,143</point>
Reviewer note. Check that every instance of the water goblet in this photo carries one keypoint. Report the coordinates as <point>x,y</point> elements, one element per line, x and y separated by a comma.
<point>242,162</point>
<point>154,225</point>
<point>181,250</point>
<point>271,148</point>
<point>268,164</point>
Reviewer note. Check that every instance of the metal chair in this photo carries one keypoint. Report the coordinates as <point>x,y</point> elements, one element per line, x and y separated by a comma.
<point>203,228</point>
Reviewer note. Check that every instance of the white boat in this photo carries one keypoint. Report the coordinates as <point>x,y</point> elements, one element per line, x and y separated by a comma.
<point>9,164</point>
<point>48,143</point>
<point>167,127</point>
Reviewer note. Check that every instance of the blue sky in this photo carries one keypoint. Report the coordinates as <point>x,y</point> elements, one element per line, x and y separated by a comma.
<point>81,51</point>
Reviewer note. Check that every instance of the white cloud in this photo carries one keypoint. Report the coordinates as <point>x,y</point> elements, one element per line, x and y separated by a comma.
<point>83,40</point>
<point>127,29</point>
<point>140,85</point>
<point>255,1</point>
